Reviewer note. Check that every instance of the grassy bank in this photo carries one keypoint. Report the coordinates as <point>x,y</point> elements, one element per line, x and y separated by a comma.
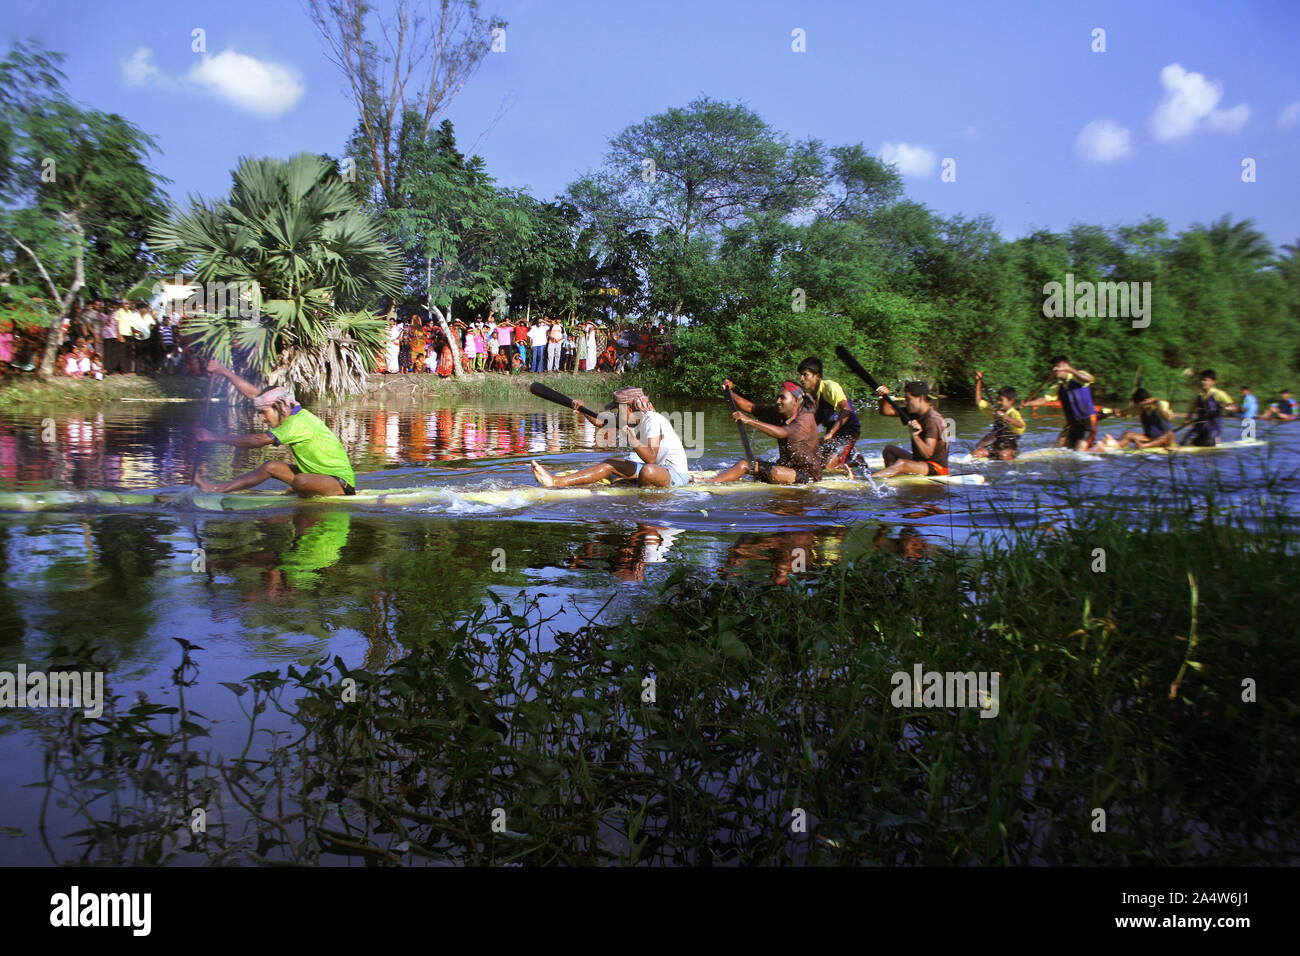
<point>28,391</point>
<point>586,385</point>
<point>1146,715</point>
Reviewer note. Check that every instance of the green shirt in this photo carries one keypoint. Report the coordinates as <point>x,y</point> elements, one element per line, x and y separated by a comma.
<point>318,548</point>
<point>316,449</point>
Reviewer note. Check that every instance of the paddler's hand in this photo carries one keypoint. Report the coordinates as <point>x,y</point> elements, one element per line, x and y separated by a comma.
<point>979,377</point>
<point>914,425</point>
<point>204,435</point>
<point>882,390</point>
<point>728,384</point>
<point>215,367</point>
<point>575,403</point>
<point>739,416</point>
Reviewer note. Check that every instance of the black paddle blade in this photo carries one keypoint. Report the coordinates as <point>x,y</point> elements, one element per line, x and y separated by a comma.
<point>559,398</point>
<point>856,368</point>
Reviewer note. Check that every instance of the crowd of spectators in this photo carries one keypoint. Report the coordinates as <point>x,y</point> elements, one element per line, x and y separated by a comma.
<point>417,344</point>
<point>106,337</point>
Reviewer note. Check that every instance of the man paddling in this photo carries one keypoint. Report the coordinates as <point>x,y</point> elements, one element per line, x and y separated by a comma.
<point>658,458</point>
<point>1003,439</point>
<point>321,465</point>
<point>929,454</point>
<point>1285,409</point>
<point>1206,410</point>
<point>792,422</point>
<point>834,412</point>
<point>1157,424</point>
<point>1074,390</point>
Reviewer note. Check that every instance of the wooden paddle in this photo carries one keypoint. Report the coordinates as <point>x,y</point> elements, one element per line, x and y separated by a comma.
<point>744,436</point>
<point>559,398</point>
<point>207,404</point>
<point>856,368</point>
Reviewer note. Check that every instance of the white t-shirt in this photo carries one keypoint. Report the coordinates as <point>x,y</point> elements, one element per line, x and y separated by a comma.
<point>536,336</point>
<point>672,453</point>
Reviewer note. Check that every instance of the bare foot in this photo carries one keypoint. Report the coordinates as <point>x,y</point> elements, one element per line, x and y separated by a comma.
<point>542,475</point>
<point>201,482</point>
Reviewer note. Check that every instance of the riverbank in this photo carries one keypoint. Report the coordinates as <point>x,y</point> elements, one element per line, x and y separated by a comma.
<point>25,390</point>
<point>28,391</point>
<point>492,386</point>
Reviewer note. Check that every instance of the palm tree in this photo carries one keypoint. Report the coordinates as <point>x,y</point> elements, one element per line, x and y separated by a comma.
<point>293,232</point>
<point>1238,242</point>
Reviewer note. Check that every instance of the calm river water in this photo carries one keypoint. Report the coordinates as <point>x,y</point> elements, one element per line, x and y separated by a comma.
<point>295,583</point>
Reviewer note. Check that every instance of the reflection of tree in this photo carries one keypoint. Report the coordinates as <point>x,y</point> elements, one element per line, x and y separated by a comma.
<point>12,626</point>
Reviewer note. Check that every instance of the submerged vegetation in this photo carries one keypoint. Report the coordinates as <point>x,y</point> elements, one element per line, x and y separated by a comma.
<point>1146,714</point>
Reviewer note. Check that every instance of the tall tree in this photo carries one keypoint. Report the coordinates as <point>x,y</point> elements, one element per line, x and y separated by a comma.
<point>684,174</point>
<point>460,235</point>
<point>400,65</point>
<point>79,192</point>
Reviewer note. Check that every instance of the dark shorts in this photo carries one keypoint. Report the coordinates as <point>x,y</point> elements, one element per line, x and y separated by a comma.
<point>801,476</point>
<point>1204,435</point>
<point>1076,432</point>
<point>347,489</point>
<point>893,453</point>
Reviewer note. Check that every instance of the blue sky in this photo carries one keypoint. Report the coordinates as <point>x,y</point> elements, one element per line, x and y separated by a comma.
<point>1044,132</point>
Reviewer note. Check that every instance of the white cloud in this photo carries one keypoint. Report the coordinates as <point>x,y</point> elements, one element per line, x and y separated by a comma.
<point>1103,141</point>
<point>1190,103</point>
<point>1289,116</point>
<point>267,89</point>
<point>910,160</point>
<point>141,70</point>
<point>258,86</point>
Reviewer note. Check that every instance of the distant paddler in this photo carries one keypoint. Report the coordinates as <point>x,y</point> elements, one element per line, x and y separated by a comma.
<point>657,460</point>
<point>1157,424</point>
<point>1204,414</point>
<point>1074,390</point>
<point>321,465</point>
<point>1003,440</point>
<point>1285,409</point>
<point>793,423</point>
<point>929,454</point>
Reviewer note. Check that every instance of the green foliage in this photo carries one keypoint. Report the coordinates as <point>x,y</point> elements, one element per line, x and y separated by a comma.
<point>1112,694</point>
<point>296,232</point>
<point>758,352</point>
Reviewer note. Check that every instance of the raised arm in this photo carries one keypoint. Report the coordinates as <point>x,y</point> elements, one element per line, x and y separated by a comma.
<point>744,404</point>
<point>247,389</point>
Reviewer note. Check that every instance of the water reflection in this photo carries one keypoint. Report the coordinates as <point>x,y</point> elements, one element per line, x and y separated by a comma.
<point>626,554</point>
